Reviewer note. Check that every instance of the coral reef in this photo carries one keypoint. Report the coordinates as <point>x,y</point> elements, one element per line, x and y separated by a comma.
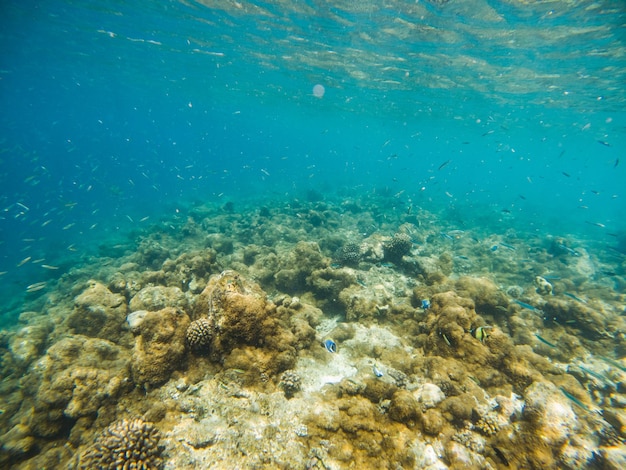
<point>290,382</point>
<point>349,254</point>
<point>159,346</point>
<point>125,444</point>
<point>98,312</point>
<point>199,334</point>
<point>400,245</point>
<point>213,329</point>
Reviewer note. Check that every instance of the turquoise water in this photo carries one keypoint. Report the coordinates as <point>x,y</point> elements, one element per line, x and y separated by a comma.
<point>120,120</point>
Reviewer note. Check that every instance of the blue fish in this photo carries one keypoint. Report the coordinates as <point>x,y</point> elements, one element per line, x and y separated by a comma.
<point>494,247</point>
<point>576,298</point>
<point>569,250</point>
<point>425,304</point>
<point>525,305</point>
<point>377,372</point>
<point>545,341</point>
<point>330,346</point>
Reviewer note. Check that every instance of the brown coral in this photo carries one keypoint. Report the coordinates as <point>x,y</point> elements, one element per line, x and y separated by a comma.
<point>125,445</point>
<point>199,334</point>
<point>399,246</point>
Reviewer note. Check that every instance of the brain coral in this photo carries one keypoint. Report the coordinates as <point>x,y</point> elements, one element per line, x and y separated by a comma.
<point>399,246</point>
<point>125,445</point>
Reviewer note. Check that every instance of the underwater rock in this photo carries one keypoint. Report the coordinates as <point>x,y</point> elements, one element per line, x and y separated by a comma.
<point>155,298</point>
<point>299,263</point>
<point>579,315</point>
<point>135,319</point>
<point>16,442</point>
<point>327,283</point>
<point>549,413</point>
<point>429,395</point>
<point>487,296</point>
<point>464,449</point>
<point>612,458</point>
<point>159,346</point>
<point>404,408</point>
<point>29,342</point>
<point>236,310</point>
<point>427,269</point>
<point>433,422</point>
<point>124,444</point>
<point>98,313</point>
<point>77,376</point>
<point>248,332</point>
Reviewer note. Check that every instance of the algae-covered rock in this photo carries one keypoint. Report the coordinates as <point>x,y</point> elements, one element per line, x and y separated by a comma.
<point>159,346</point>
<point>77,376</point>
<point>298,265</point>
<point>155,298</point>
<point>549,413</point>
<point>29,342</point>
<point>404,408</point>
<point>98,313</point>
<point>237,310</point>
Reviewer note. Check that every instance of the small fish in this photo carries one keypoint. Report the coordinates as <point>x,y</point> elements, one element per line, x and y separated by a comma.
<point>446,236</point>
<point>24,261</point>
<point>597,224</point>
<point>377,372</point>
<point>494,248</point>
<point>37,286</point>
<point>335,265</point>
<point>614,363</point>
<point>425,304</point>
<point>445,338</point>
<point>330,346</point>
<point>574,399</point>
<point>551,277</point>
<point>568,249</point>
<point>510,247</point>
<point>596,375</point>
<point>566,174</point>
<point>525,305</point>
<point>480,333</point>
<point>572,296</point>
<point>47,266</point>
<point>501,456</point>
<point>387,265</point>
<point>545,341</point>
<point>603,142</point>
<point>465,258</point>
<point>444,164</point>
<point>616,163</point>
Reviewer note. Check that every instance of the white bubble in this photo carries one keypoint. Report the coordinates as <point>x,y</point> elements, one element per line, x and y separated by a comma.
<point>319,90</point>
